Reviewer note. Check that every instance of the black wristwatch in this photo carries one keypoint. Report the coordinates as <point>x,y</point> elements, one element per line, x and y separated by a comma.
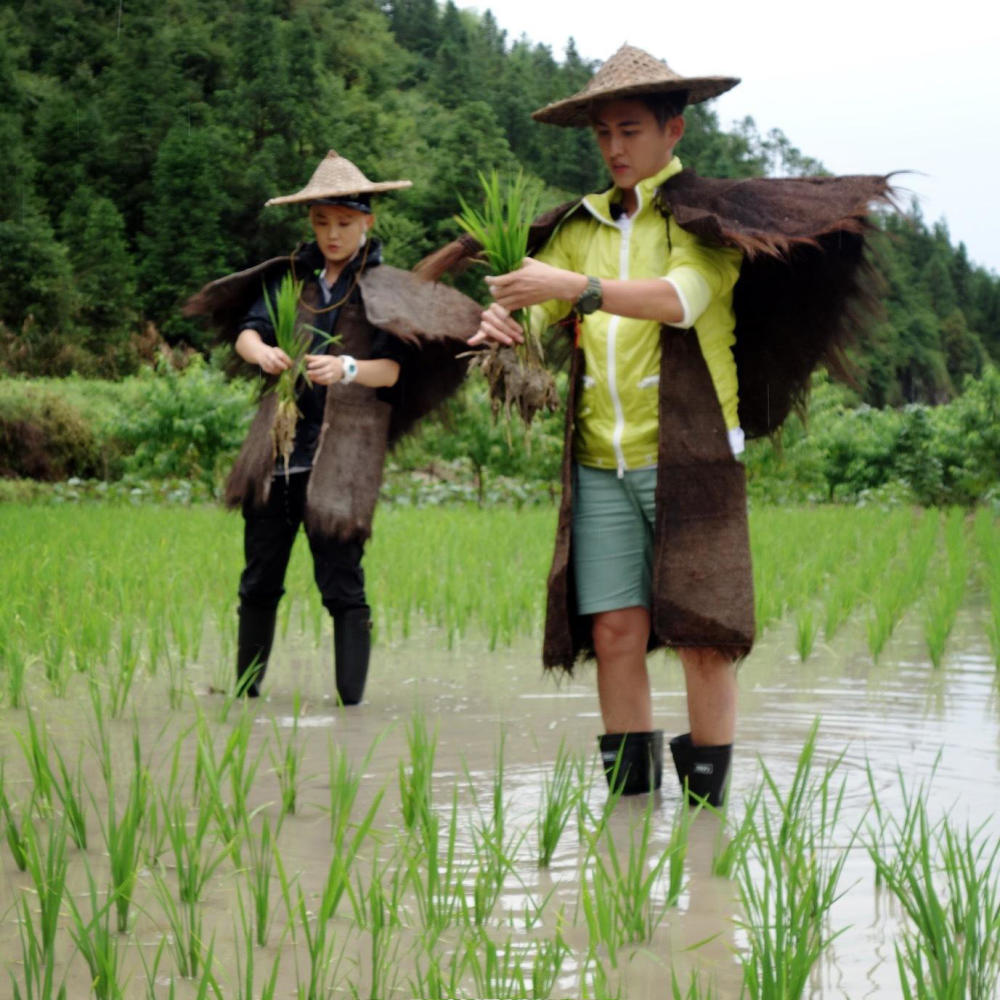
<point>592,298</point>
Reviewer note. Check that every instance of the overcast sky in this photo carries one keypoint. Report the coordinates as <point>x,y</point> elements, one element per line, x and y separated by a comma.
<point>864,86</point>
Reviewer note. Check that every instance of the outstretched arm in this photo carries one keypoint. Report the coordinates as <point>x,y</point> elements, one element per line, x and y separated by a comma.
<point>535,282</point>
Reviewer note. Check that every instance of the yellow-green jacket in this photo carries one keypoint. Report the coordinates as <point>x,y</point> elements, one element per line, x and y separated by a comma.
<point>617,417</point>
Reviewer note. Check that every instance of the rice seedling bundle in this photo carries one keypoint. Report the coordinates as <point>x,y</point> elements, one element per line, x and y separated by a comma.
<point>517,376</point>
<point>294,338</point>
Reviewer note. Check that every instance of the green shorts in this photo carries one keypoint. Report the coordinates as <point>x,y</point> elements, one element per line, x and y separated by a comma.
<point>613,538</point>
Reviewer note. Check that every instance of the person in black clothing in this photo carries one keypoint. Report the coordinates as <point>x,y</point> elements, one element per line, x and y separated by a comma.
<point>388,328</point>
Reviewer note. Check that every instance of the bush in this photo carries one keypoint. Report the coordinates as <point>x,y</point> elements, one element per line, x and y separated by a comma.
<point>188,425</point>
<point>465,430</point>
<point>930,455</point>
<point>42,436</point>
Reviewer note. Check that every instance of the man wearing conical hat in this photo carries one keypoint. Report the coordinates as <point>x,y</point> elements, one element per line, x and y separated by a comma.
<point>700,308</point>
<point>365,384</point>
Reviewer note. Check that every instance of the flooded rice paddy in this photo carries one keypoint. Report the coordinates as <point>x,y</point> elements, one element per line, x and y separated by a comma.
<point>293,848</point>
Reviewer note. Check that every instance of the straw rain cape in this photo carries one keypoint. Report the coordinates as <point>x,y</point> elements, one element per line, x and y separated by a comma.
<point>358,428</point>
<point>803,294</point>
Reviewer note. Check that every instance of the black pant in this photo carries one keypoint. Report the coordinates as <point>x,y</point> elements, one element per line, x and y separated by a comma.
<point>268,535</point>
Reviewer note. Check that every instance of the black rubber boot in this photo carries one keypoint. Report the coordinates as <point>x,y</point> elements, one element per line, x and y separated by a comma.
<point>351,647</point>
<point>703,771</point>
<point>638,758</point>
<point>256,636</point>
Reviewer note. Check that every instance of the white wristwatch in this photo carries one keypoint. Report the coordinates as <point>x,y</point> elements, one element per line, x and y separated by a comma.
<point>350,369</point>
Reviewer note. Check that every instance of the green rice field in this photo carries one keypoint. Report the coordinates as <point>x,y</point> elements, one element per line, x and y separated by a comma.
<point>453,836</point>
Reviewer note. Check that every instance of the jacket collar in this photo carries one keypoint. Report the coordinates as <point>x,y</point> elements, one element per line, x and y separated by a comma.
<point>605,206</point>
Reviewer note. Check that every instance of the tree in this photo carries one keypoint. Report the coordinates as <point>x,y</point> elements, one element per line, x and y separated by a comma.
<point>104,272</point>
<point>183,243</point>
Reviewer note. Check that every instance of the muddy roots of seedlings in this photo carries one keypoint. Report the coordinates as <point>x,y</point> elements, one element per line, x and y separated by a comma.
<point>517,383</point>
<point>283,432</point>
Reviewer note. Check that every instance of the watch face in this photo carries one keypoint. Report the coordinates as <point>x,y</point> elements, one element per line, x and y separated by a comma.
<point>592,297</point>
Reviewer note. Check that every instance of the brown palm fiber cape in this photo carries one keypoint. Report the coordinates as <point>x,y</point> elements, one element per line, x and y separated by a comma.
<point>803,294</point>
<point>358,428</point>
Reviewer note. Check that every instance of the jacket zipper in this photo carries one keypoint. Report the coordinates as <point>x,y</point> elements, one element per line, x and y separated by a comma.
<point>625,228</point>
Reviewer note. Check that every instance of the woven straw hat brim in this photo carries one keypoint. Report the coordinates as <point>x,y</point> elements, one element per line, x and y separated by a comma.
<point>630,72</point>
<point>337,177</point>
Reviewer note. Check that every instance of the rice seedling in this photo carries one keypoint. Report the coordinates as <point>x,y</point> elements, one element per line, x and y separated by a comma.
<point>123,835</point>
<point>294,338</point>
<point>259,874</point>
<point>14,826</point>
<point>948,884</point>
<point>902,584</point>
<point>439,886</point>
<point>120,680</point>
<point>194,863</point>
<point>288,760</point>
<point>626,910</point>
<point>790,879</point>
<point>494,861</point>
<point>246,934</point>
<point>550,956</point>
<point>839,603</point>
<point>151,968</point>
<point>155,645</point>
<point>152,972</point>
<point>806,630</point>
<point>943,605</point>
<point>177,679</point>
<point>207,985</point>
<point>210,776</point>
<point>378,900</point>
<point>416,783</point>
<point>345,783</point>
<point>184,921</point>
<point>560,793</point>
<point>316,982</point>
<point>208,982</point>
<point>38,965</point>
<point>437,975</point>
<point>597,982</point>
<point>70,792</point>
<point>381,914</point>
<point>695,990</point>
<point>497,971</point>
<point>15,667</point>
<point>516,375</point>
<point>343,859</point>
<point>38,939</point>
<point>48,874</point>
<point>676,851</point>
<point>988,552</point>
<point>36,754</point>
<point>54,659</point>
<point>731,849</point>
<point>99,943</point>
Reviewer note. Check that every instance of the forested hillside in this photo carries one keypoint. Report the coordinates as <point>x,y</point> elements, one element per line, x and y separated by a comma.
<point>139,140</point>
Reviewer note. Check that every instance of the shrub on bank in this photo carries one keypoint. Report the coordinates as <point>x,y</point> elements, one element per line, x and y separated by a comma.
<point>929,455</point>
<point>44,437</point>
<point>188,424</point>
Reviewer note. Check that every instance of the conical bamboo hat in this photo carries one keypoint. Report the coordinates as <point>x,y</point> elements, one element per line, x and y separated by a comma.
<point>631,72</point>
<point>337,177</point>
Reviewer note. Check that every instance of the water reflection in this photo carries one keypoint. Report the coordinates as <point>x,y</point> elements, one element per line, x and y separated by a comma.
<point>893,725</point>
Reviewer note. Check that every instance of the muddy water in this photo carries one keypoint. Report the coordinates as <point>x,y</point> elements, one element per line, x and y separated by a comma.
<point>901,716</point>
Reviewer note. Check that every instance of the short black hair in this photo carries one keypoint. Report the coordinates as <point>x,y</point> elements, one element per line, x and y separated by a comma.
<point>665,106</point>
